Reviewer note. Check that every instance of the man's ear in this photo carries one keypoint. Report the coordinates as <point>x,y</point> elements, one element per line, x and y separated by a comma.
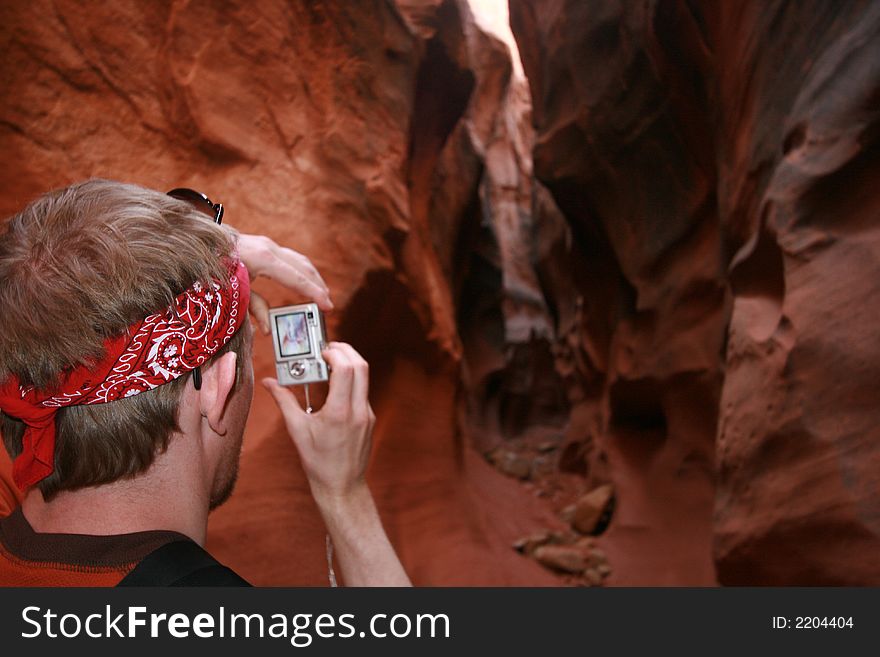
<point>218,380</point>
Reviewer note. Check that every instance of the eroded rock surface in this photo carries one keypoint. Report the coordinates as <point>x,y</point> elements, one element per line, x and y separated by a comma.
<point>713,163</point>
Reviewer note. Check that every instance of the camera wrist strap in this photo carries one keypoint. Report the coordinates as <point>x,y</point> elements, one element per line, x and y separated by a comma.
<point>330,572</point>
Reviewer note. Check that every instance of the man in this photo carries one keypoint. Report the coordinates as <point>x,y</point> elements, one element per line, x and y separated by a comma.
<point>125,384</point>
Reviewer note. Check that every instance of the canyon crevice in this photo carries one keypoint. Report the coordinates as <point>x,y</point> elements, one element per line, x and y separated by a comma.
<point>620,312</point>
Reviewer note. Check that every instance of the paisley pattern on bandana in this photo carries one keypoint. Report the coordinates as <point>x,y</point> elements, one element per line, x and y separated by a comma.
<point>167,345</point>
<point>160,348</point>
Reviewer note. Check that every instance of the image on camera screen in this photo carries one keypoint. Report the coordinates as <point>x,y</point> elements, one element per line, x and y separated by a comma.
<point>293,334</point>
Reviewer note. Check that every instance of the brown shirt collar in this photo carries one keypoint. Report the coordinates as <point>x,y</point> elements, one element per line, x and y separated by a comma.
<point>118,550</point>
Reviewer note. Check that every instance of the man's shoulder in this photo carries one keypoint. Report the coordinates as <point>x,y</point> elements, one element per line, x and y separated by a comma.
<point>181,563</point>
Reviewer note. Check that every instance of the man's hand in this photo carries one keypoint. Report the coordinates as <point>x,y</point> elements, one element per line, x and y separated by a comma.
<point>333,443</point>
<point>334,447</point>
<point>263,257</point>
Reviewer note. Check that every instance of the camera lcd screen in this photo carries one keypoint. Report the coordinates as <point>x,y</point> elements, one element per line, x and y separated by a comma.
<point>293,335</point>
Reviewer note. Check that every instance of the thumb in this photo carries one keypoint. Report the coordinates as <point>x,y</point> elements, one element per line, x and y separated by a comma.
<point>293,413</point>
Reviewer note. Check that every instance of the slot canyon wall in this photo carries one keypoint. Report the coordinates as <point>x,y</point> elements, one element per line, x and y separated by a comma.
<point>633,295</point>
<point>715,163</point>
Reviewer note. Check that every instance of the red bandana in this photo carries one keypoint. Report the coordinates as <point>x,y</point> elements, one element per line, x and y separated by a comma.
<point>154,351</point>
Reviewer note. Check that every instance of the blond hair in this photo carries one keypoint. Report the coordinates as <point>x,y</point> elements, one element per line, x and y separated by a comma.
<point>80,265</point>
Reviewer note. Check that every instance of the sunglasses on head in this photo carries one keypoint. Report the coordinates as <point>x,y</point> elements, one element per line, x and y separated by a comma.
<point>214,210</point>
<point>200,202</point>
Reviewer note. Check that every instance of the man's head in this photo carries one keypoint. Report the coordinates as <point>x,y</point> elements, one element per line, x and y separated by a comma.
<point>79,266</point>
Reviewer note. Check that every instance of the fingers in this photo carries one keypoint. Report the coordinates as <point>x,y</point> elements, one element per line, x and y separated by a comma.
<point>341,379</point>
<point>259,309</point>
<point>295,271</point>
<point>349,382</point>
<point>360,386</point>
<point>264,257</point>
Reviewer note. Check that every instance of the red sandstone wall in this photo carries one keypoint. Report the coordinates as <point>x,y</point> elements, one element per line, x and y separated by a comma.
<point>322,125</point>
<point>714,162</point>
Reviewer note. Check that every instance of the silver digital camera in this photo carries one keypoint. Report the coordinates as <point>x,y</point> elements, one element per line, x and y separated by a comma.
<point>299,336</point>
